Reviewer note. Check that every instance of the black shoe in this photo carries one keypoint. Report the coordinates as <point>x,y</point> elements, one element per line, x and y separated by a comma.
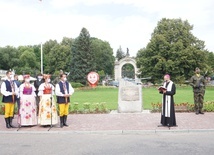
<point>7,122</point>
<point>65,120</point>
<point>10,122</point>
<point>61,121</point>
<point>197,112</point>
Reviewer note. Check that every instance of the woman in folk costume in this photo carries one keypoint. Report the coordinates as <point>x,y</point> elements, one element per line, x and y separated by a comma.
<point>168,110</point>
<point>47,106</point>
<point>27,111</point>
<point>63,92</point>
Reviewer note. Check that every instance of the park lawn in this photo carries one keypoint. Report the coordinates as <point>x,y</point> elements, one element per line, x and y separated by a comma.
<point>150,95</point>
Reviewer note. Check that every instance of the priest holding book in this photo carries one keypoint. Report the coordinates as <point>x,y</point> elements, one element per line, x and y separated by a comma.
<point>168,111</point>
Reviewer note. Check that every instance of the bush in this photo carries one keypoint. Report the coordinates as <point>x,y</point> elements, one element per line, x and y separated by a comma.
<point>89,108</point>
<point>76,85</point>
<point>209,106</point>
<point>185,107</point>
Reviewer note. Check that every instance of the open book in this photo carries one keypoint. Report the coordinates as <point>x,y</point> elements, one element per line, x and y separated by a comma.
<point>162,88</point>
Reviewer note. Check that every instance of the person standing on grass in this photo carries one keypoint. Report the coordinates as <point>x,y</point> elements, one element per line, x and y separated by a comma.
<point>9,90</point>
<point>197,82</point>
<point>168,110</point>
<point>63,92</point>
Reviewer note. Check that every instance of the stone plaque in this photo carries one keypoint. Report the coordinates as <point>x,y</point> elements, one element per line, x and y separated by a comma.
<point>129,97</point>
<point>130,93</point>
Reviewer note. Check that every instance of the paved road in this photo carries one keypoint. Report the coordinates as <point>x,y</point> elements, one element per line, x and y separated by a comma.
<point>113,134</point>
<point>197,143</point>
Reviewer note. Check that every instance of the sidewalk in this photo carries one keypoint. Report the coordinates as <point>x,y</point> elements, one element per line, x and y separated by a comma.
<point>117,123</point>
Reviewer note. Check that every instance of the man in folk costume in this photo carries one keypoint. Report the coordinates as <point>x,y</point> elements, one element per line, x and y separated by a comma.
<point>168,110</point>
<point>197,82</point>
<point>9,90</point>
<point>63,92</point>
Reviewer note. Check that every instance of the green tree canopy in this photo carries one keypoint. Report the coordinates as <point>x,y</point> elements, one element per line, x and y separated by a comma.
<point>104,57</point>
<point>82,57</point>
<point>47,46</point>
<point>173,49</point>
<point>9,57</point>
<point>28,60</point>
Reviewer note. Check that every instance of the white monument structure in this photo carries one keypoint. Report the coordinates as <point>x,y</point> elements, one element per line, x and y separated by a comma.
<point>119,64</point>
<point>130,94</point>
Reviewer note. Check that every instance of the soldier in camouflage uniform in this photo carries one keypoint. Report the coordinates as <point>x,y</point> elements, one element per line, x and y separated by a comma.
<point>198,84</point>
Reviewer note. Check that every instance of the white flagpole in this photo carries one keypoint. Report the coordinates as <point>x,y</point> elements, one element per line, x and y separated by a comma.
<point>41,60</point>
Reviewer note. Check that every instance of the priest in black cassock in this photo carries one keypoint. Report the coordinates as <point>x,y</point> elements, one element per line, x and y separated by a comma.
<point>168,111</point>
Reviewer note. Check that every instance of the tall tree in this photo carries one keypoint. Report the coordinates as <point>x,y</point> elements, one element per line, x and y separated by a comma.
<point>28,62</point>
<point>59,59</point>
<point>47,46</point>
<point>82,57</point>
<point>9,57</point>
<point>120,54</point>
<point>173,49</point>
<point>104,57</point>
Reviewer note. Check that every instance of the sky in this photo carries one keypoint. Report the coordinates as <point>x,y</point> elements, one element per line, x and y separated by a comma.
<point>125,23</point>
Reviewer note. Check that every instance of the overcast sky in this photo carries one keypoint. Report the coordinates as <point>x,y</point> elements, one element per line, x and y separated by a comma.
<point>125,23</point>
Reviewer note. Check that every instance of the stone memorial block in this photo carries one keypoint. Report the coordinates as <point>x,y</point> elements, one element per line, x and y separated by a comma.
<point>129,97</point>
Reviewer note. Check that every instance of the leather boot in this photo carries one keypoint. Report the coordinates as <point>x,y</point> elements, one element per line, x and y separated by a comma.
<point>7,122</point>
<point>61,121</point>
<point>65,120</point>
<point>10,122</point>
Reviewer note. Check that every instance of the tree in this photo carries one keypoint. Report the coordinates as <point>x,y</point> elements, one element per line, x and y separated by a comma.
<point>173,49</point>
<point>28,63</point>
<point>82,57</point>
<point>104,57</point>
<point>9,58</point>
<point>120,54</point>
<point>59,59</point>
<point>67,42</point>
<point>47,46</point>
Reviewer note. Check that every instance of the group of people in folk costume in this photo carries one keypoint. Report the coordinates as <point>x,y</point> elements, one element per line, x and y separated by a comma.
<point>29,112</point>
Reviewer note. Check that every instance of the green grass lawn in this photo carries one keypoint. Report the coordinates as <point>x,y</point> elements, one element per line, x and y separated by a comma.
<point>150,95</point>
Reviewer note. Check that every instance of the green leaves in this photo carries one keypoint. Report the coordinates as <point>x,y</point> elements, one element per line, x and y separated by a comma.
<point>82,57</point>
<point>173,49</point>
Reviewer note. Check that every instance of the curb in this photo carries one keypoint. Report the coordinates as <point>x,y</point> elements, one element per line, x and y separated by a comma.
<point>110,132</point>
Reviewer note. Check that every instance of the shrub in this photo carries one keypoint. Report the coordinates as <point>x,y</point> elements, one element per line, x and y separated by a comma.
<point>209,106</point>
<point>180,107</point>
<point>88,108</point>
<point>76,85</point>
